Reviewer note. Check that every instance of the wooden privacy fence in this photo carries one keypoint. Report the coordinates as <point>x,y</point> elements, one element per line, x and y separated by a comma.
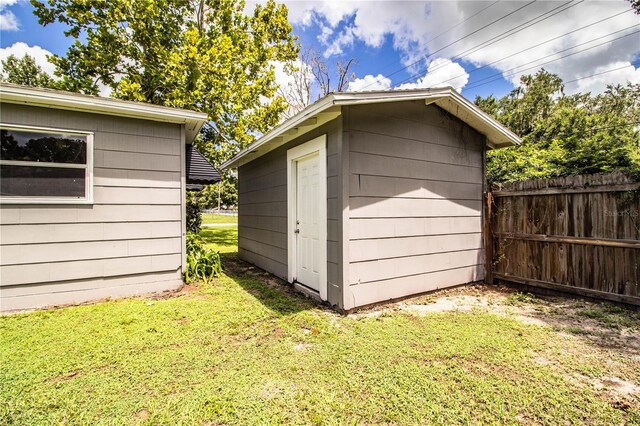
<point>579,234</point>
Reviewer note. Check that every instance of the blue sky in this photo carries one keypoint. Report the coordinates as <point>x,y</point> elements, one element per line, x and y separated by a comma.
<point>410,44</point>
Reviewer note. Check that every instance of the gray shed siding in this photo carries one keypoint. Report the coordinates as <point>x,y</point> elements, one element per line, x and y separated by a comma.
<point>415,183</point>
<point>128,241</point>
<point>262,209</point>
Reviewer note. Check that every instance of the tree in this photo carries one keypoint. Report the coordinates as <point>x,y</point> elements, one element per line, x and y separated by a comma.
<point>312,78</point>
<point>564,135</point>
<point>204,55</point>
<point>228,194</point>
<point>25,71</point>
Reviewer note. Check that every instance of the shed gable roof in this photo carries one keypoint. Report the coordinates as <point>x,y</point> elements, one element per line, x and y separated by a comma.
<point>330,106</point>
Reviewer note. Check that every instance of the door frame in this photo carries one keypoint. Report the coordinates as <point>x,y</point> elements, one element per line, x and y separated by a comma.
<point>318,145</point>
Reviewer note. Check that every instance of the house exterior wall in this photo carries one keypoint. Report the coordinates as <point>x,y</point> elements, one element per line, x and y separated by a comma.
<point>415,183</point>
<point>262,209</point>
<point>128,241</point>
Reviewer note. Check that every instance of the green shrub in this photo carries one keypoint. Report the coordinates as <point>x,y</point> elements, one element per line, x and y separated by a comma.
<point>203,264</point>
<point>194,213</point>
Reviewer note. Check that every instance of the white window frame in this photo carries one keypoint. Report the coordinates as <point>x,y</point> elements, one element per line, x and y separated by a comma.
<point>317,145</point>
<point>88,167</point>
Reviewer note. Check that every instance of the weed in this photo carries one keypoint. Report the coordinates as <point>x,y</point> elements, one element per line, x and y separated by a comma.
<point>519,299</point>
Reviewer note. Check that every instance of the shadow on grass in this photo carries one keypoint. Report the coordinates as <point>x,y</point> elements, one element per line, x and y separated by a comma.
<point>275,294</point>
<point>222,239</point>
<point>272,292</point>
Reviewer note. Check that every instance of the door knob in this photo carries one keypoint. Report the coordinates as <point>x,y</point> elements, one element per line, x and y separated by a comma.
<point>297,231</point>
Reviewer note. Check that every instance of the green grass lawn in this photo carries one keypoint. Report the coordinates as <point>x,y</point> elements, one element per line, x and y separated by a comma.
<point>245,351</point>
<point>222,239</point>
<point>210,218</point>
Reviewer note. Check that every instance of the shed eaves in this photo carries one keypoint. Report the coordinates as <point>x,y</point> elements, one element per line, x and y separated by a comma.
<point>330,107</point>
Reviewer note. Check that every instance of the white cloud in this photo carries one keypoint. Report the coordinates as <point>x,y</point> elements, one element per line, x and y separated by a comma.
<point>345,39</point>
<point>598,83</point>
<point>370,82</point>
<point>325,33</point>
<point>333,12</point>
<point>441,73</point>
<point>439,28</point>
<point>19,49</point>
<point>8,21</point>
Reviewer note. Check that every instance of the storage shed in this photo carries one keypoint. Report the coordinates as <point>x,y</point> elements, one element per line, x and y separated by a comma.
<point>92,195</point>
<point>366,197</point>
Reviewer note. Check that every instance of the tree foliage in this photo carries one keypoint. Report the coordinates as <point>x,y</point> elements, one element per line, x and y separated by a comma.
<point>565,134</point>
<point>204,55</point>
<point>25,71</point>
<point>208,196</point>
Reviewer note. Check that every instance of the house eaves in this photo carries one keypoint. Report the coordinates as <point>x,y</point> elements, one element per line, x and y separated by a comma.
<point>47,98</point>
<point>330,107</point>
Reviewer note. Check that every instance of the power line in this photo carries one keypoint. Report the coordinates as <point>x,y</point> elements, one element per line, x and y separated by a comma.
<point>633,123</point>
<point>462,22</point>
<point>520,51</point>
<point>596,74</point>
<point>501,74</point>
<point>592,129</point>
<point>455,26</point>
<point>448,30</point>
<point>506,34</point>
<point>473,86</point>
<point>543,57</point>
<point>456,41</point>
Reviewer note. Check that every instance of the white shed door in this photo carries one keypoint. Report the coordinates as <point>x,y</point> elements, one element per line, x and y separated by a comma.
<point>307,231</point>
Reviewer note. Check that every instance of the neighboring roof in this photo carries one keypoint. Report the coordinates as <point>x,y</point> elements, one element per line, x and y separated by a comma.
<point>329,107</point>
<point>199,170</point>
<point>194,187</point>
<point>47,98</point>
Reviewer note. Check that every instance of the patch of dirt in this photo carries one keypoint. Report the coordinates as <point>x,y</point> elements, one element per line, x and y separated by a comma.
<point>141,416</point>
<point>572,316</point>
<point>182,291</point>
<point>186,289</point>
<point>67,376</point>
<point>621,394</point>
<point>301,346</point>
<point>619,386</point>
<point>270,391</point>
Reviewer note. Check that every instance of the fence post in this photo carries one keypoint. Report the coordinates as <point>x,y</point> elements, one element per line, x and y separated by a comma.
<point>488,240</point>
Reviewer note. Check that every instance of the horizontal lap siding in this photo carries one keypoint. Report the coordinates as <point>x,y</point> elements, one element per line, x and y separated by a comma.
<point>415,201</point>
<point>30,295</point>
<point>262,208</point>
<point>130,237</point>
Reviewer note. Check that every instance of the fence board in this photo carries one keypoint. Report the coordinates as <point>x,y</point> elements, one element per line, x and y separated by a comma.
<point>579,234</point>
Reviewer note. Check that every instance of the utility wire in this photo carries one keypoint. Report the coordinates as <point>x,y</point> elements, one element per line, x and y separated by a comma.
<point>451,28</point>
<point>500,75</point>
<point>458,40</point>
<point>633,123</point>
<point>473,50</point>
<point>596,74</point>
<point>462,22</point>
<point>535,60</point>
<point>473,86</point>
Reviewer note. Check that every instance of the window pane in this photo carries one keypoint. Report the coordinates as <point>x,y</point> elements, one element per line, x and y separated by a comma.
<point>20,145</point>
<point>41,182</point>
